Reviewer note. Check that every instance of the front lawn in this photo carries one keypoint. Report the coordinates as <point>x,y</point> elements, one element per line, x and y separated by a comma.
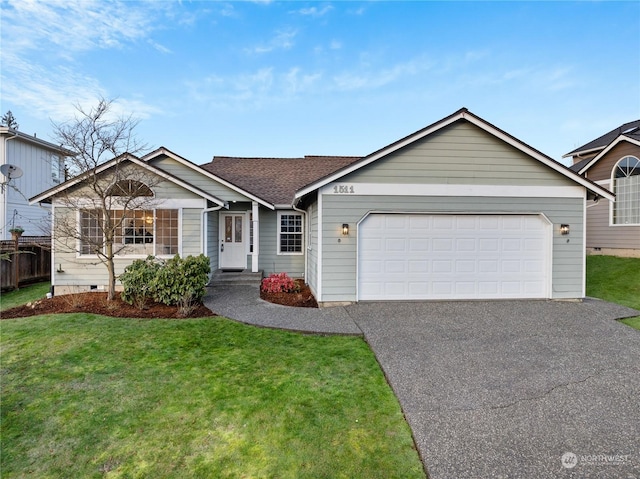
<point>93,396</point>
<point>617,280</point>
<point>33,292</point>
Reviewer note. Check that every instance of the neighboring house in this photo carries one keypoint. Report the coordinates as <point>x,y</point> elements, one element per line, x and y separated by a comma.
<point>457,210</point>
<point>613,162</point>
<point>42,164</point>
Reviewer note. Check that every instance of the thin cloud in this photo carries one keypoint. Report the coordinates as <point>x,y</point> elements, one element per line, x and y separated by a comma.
<point>372,79</point>
<point>314,11</point>
<point>282,40</point>
<point>74,25</point>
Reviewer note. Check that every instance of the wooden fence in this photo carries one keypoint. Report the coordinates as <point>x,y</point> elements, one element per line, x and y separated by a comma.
<point>33,261</point>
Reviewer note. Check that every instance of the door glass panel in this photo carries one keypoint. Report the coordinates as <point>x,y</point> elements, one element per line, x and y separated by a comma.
<point>228,227</point>
<point>238,229</point>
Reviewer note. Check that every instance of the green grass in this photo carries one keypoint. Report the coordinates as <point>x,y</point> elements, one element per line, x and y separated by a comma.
<point>23,295</point>
<point>617,280</point>
<point>93,396</point>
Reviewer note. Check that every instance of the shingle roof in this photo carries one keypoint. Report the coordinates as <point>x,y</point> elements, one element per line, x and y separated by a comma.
<point>275,179</point>
<point>631,129</point>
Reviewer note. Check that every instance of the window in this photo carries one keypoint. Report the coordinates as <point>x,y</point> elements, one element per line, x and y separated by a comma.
<point>91,231</point>
<point>130,188</point>
<point>289,233</point>
<point>140,232</point>
<point>57,169</point>
<point>626,186</point>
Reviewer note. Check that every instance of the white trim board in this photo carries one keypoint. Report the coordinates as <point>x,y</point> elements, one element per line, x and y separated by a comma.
<point>512,191</point>
<point>462,114</point>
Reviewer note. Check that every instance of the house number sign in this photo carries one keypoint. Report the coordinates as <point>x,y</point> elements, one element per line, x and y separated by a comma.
<point>343,190</point>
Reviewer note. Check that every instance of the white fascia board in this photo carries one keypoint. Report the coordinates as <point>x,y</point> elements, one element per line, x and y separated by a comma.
<point>550,162</point>
<point>379,154</point>
<point>578,153</point>
<point>607,150</point>
<point>463,190</point>
<point>466,115</point>
<point>74,181</point>
<point>105,166</point>
<point>208,174</point>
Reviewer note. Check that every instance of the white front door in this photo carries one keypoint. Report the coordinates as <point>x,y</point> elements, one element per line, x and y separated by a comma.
<point>233,241</point>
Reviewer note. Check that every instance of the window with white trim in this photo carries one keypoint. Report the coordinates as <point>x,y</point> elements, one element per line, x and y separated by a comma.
<point>290,237</point>
<point>140,232</point>
<point>626,186</point>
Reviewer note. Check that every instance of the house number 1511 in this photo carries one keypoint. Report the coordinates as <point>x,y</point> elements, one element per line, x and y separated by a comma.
<point>343,189</point>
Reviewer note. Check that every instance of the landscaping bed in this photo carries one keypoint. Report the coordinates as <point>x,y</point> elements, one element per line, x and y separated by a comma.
<point>302,299</point>
<point>97,303</point>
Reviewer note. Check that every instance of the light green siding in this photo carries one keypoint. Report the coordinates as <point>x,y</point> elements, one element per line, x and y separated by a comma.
<point>83,271</point>
<point>459,154</point>
<point>270,261</point>
<point>339,253</point>
<point>197,179</point>
<point>212,239</point>
<point>312,250</point>
<point>191,231</point>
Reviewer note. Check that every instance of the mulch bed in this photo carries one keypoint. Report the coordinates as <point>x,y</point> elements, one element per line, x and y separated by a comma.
<point>96,303</point>
<point>303,299</point>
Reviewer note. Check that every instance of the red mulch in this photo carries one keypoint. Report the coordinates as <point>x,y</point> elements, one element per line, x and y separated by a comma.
<point>303,299</point>
<point>97,303</point>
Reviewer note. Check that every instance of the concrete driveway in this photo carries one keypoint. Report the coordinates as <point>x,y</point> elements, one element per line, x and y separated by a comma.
<point>507,389</point>
<point>500,389</point>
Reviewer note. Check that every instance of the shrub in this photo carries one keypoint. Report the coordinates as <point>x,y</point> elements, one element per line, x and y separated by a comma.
<point>182,280</point>
<point>137,281</point>
<point>279,283</point>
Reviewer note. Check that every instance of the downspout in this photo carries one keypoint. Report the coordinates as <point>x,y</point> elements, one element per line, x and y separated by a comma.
<point>305,236</point>
<point>5,196</point>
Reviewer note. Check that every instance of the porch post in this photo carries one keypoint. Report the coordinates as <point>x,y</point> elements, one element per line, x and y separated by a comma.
<point>256,236</point>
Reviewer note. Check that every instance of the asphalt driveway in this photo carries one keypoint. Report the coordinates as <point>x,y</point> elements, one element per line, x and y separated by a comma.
<point>497,389</point>
<point>505,389</point>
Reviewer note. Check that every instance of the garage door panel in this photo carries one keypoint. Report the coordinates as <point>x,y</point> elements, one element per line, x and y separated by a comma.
<point>453,257</point>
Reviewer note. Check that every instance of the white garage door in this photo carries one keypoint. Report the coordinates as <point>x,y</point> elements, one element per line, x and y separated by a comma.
<point>403,256</point>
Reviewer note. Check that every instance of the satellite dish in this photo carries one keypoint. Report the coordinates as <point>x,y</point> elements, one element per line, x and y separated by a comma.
<point>11,171</point>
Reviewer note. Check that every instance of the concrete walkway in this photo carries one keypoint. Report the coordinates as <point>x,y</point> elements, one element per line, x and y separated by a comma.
<point>501,389</point>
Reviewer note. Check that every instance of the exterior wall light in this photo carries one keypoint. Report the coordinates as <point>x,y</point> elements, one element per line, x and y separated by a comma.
<point>564,229</point>
<point>345,229</point>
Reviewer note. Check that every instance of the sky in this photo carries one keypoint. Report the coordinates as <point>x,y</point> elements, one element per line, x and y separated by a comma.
<point>295,78</point>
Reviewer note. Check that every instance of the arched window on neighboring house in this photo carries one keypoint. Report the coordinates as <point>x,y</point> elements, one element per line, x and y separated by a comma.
<point>626,186</point>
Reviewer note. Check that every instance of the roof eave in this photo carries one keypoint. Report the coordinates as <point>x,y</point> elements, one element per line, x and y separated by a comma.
<point>462,114</point>
<point>199,169</point>
<point>606,150</point>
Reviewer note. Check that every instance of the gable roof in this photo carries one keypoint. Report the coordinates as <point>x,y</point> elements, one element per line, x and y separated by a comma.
<point>46,196</point>
<point>166,152</point>
<point>582,166</point>
<point>275,179</point>
<point>461,115</point>
<point>631,130</point>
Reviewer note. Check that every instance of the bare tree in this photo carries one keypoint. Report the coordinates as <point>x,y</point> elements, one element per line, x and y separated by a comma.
<point>109,189</point>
